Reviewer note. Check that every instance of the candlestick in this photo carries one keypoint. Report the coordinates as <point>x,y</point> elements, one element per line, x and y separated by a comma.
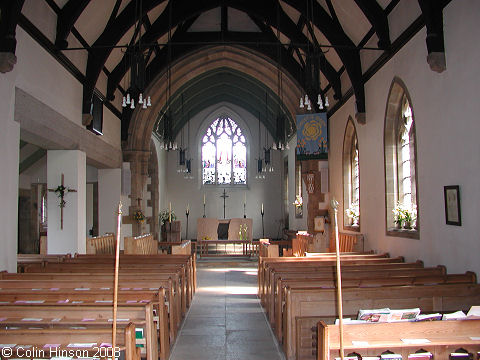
<point>170,212</point>
<point>187,213</point>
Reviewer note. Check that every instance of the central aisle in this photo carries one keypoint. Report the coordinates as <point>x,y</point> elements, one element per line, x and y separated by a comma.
<point>226,320</point>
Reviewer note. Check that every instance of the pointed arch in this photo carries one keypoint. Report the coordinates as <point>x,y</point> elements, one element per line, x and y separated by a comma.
<point>351,178</point>
<point>401,190</point>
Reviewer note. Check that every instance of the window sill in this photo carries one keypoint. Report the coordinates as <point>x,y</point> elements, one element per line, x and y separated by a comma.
<point>404,233</point>
<point>352,228</point>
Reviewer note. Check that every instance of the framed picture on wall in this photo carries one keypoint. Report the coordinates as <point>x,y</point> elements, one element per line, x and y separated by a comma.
<point>451,194</point>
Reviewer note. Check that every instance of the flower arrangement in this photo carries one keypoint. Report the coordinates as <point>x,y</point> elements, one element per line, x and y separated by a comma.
<point>404,214</point>
<point>60,191</point>
<point>138,216</point>
<point>165,215</point>
<point>242,233</point>
<point>298,201</point>
<point>353,212</point>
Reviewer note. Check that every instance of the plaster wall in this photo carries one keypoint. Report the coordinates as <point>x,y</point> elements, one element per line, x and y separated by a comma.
<point>447,127</point>
<point>181,191</point>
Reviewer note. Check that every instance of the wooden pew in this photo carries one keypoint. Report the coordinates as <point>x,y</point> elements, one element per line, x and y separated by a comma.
<point>38,338</point>
<point>65,317</point>
<point>276,290</point>
<point>141,245</point>
<point>175,272</point>
<point>322,303</point>
<point>90,284</point>
<point>104,244</point>
<point>368,281</point>
<point>269,264</point>
<point>375,338</point>
<point>184,248</point>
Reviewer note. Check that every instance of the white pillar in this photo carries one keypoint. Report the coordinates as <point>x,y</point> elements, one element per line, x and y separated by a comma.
<point>9,150</point>
<point>109,193</point>
<point>72,238</point>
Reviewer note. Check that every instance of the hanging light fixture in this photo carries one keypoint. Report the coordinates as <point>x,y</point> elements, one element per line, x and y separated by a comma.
<point>312,68</point>
<point>280,142</point>
<point>169,142</point>
<point>136,56</point>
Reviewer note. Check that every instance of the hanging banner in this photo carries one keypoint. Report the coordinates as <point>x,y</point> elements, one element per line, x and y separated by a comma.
<point>312,136</point>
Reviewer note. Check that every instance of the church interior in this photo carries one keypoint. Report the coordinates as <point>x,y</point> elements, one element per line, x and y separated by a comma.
<point>230,179</point>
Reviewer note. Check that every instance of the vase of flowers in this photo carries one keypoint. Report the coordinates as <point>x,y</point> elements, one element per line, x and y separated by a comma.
<point>164,216</point>
<point>242,233</point>
<point>138,216</point>
<point>353,213</point>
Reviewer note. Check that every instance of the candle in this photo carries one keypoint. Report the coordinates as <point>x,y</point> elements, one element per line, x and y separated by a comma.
<point>188,208</point>
<point>262,208</point>
<point>203,198</point>
<point>170,212</point>
<point>245,199</point>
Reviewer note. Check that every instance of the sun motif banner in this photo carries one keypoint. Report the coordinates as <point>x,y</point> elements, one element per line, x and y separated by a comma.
<point>312,136</point>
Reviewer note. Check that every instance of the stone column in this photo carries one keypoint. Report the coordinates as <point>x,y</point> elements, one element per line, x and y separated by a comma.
<point>139,169</point>
<point>109,193</point>
<point>72,238</point>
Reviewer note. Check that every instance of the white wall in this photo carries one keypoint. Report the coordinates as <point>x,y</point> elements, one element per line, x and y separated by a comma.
<point>446,116</point>
<point>181,191</point>
<point>70,239</point>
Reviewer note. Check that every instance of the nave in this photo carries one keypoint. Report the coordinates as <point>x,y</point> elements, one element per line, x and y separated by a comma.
<point>225,320</point>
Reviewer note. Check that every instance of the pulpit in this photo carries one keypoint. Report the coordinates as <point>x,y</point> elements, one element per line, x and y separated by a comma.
<point>171,231</point>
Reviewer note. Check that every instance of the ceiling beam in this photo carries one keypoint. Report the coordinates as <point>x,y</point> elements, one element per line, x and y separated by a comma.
<point>378,18</point>
<point>347,51</point>
<point>32,159</point>
<point>10,12</point>
<point>432,11</point>
<point>66,19</point>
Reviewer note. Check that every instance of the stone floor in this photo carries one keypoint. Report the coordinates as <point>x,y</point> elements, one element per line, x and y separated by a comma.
<point>226,320</point>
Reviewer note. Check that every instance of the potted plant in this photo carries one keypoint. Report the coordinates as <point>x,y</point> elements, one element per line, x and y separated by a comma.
<point>398,215</point>
<point>404,215</point>
<point>353,213</point>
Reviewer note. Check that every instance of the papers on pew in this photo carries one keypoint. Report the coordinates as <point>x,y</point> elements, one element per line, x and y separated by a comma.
<point>388,315</point>
<point>473,313</point>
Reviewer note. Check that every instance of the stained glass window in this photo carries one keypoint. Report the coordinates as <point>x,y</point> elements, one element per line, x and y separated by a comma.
<point>224,153</point>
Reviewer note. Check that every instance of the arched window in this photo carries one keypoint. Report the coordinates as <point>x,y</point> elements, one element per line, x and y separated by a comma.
<point>351,178</point>
<point>224,153</point>
<point>400,164</point>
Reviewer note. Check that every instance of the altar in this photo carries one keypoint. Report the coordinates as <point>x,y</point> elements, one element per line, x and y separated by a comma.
<point>220,233</point>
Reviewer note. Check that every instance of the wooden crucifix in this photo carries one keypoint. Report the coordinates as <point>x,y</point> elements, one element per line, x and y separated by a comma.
<point>61,191</point>
<point>224,196</point>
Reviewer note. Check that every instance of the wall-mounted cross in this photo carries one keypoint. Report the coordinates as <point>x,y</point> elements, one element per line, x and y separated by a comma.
<point>61,191</point>
<point>224,196</point>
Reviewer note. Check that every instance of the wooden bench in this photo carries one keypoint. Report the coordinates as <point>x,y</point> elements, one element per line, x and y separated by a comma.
<point>184,248</point>
<point>101,244</point>
<point>276,292</point>
<point>140,245</point>
<point>373,339</point>
<point>367,281</point>
<point>321,303</point>
<point>92,284</point>
<point>66,317</point>
<point>61,338</point>
<point>266,265</point>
